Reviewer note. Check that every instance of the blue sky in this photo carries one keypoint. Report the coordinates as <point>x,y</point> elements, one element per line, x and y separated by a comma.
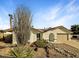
<point>46,13</point>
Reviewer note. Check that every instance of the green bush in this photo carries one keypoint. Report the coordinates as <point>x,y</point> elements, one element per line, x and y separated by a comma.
<point>22,52</point>
<point>41,43</point>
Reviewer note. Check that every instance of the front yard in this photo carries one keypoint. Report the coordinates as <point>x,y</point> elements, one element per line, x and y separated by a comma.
<point>54,51</point>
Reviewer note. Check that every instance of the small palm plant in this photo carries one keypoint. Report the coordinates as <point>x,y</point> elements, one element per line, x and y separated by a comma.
<point>22,52</point>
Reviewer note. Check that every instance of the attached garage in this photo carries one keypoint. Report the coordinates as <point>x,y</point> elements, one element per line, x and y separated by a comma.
<point>57,34</point>
<point>62,36</point>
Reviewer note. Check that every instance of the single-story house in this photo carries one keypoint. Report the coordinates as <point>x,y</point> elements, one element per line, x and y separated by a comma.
<point>56,35</point>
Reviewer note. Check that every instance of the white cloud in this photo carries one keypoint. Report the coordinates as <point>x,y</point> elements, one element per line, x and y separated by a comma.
<point>58,15</point>
<point>63,20</point>
<point>47,14</point>
<point>71,12</point>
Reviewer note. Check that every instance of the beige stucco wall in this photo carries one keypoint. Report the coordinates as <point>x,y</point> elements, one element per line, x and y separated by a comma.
<point>14,38</point>
<point>1,35</point>
<point>33,36</point>
<point>70,36</point>
<point>46,34</point>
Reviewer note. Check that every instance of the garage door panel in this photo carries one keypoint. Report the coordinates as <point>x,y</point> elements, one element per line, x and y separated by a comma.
<point>62,36</point>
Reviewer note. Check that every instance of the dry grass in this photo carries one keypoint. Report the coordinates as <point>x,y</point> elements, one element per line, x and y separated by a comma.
<point>4,49</point>
<point>5,44</point>
<point>40,53</point>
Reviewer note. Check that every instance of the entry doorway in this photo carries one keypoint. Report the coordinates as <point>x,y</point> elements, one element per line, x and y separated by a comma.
<point>38,36</point>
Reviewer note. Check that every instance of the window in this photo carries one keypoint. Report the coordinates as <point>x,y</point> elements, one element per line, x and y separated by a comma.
<point>38,36</point>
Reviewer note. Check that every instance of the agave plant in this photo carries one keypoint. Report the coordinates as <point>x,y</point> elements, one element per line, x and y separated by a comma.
<point>22,52</point>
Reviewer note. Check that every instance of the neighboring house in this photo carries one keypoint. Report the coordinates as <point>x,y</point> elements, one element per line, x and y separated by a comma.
<point>6,35</point>
<point>8,31</point>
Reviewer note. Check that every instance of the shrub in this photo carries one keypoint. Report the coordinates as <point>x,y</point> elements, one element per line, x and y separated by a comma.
<point>8,39</point>
<point>41,43</point>
<point>22,52</point>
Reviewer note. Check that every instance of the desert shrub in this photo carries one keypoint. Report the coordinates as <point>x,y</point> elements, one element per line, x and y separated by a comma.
<point>8,39</point>
<point>22,52</point>
<point>41,43</point>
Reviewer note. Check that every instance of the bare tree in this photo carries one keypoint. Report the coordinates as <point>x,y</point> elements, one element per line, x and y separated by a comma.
<point>22,25</point>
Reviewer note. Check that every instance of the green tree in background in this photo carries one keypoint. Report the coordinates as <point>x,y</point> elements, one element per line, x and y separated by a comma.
<point>75,29</point>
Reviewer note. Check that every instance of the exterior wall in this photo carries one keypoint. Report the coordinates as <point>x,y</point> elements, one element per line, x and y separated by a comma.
<point>14,39</point>
<point>46,34</point>
<point>1,35</point>
<point>70,36</point>
<point>33,36</point>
